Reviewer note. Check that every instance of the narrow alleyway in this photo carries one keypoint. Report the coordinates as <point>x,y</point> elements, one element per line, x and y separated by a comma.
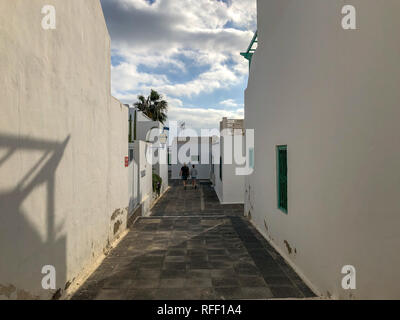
<point>193,248</point>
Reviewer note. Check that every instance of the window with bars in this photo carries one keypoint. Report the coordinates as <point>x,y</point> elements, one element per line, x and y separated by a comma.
<point>282,179</point>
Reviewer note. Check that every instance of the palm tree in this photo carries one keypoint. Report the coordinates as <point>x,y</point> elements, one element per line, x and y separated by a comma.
<point>153,106</point>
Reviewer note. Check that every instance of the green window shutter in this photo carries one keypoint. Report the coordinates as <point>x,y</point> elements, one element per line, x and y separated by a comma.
<point>282,178</point>
<point>251,158</point>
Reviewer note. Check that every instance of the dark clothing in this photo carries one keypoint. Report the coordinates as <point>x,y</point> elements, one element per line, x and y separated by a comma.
<point>185,171</point>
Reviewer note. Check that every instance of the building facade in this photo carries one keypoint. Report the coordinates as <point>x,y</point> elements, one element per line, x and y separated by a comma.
<point>228,184</point>
<point>147,156</point>
<point>63,140</point>
<point>324,103</point>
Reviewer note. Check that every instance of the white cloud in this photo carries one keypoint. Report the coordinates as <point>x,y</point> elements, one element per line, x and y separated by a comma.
<point>230,103</point>
<point>243,13</point>
<point>154,35</point>
<point>200,118</point>
<point>161,36</point>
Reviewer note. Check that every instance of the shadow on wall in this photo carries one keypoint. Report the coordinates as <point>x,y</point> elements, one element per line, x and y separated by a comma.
<point>24,247</point>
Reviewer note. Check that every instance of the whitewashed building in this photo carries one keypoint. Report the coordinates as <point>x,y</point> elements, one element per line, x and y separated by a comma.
<point>324,103</point>
<point>146,147</point>
<point>140,179</point>
<point>63,143</point>
<point>228,184</point>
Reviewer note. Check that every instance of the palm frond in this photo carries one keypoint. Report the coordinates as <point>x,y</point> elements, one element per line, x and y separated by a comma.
<point>153,106</point>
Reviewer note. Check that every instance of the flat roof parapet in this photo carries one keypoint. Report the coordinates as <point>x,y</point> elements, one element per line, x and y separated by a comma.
<point>232,124</point>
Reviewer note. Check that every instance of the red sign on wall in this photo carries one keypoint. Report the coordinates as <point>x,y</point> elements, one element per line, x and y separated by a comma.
<point>126,162</point>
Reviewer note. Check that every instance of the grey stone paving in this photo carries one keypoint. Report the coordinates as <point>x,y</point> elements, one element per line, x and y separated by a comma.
<point>193,248</point>
<point>180,202</point>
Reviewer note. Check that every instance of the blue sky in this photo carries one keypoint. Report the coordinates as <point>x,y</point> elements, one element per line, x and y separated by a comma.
<point>188,50</point>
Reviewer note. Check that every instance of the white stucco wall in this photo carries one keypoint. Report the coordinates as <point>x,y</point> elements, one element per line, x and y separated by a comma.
<point>143,188</point>
<point>231,189</point>
<point>144,127</point>
<point>133,182</point>
<point>332,96</point>
<point>233,184</point>
<point>63,186</point>
<point>218,183</point>
<point>161,167</point>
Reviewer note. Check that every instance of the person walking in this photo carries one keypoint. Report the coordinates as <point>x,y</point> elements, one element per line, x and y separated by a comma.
<point>184,174</point>
<point>193,174</point>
